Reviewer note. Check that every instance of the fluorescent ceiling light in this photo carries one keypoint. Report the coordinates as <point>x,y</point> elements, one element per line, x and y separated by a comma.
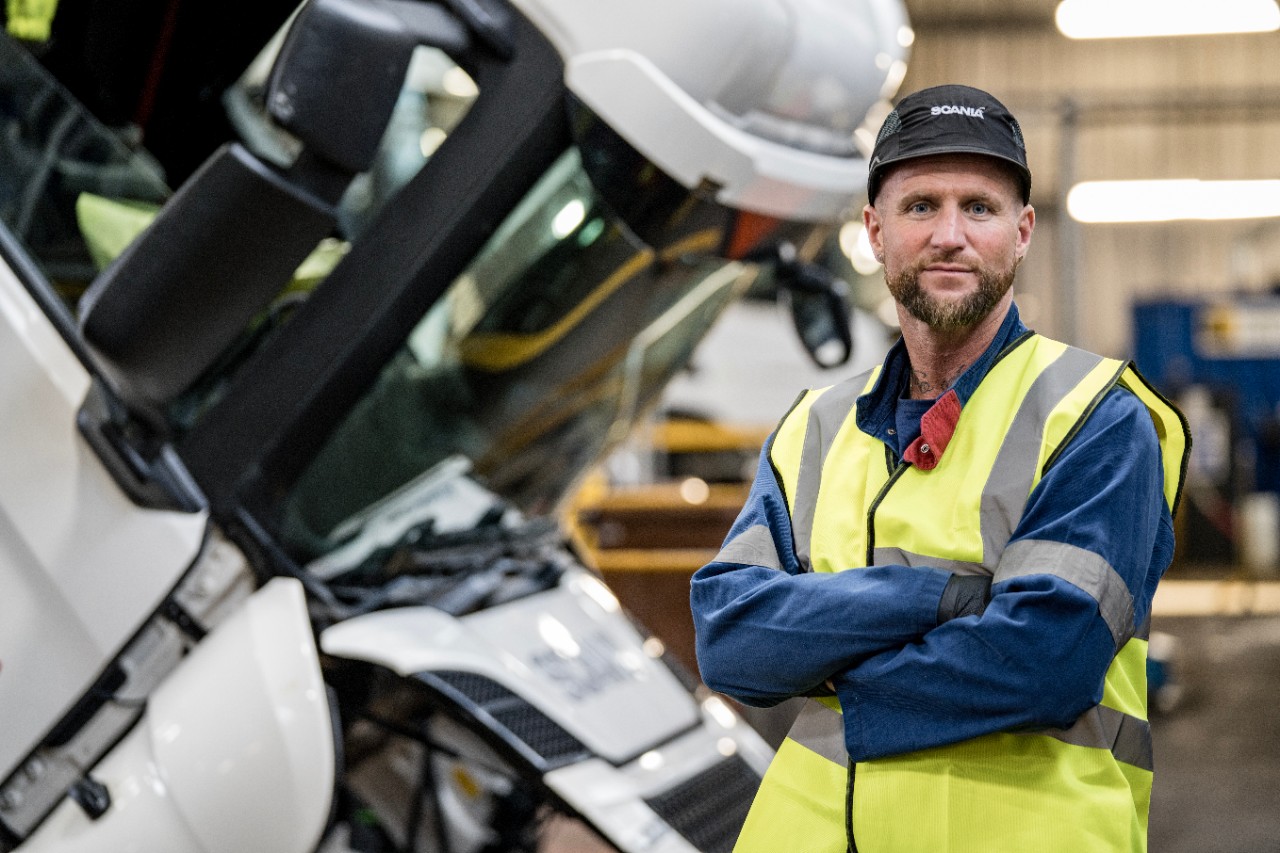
<point>1169,201</point>
<point>1086,19</point>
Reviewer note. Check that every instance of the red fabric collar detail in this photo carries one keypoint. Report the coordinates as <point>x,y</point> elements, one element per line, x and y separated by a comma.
<point>936,428</point>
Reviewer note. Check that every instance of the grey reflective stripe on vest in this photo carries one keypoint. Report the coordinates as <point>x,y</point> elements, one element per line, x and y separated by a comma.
<point>752,547</point>
<point>821,729</point>
<point>897,556</point>
<point>1084,569</point>
<point>1009,483</point>
<point>826,416</point>
<point>1127,737</point>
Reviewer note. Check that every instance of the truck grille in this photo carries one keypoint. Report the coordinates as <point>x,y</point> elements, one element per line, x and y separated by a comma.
<point>710,808</point>
<point>555,746</point>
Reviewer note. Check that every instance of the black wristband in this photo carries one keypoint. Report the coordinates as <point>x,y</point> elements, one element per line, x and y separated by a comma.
<point>964,595</point>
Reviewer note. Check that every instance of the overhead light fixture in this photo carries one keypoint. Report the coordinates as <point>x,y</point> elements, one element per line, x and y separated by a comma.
<point>1095,19</point>
<point>568,218</point>
<point>1171,201</point>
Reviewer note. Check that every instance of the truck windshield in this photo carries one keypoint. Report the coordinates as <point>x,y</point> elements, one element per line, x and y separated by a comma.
<point>538,359</point>
<point>60,169</point>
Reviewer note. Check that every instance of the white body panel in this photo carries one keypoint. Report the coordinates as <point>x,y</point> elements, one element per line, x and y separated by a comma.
<point>81,567</point>
<point>726,94</point>
<point>569,651</point>
<point>235,753</point>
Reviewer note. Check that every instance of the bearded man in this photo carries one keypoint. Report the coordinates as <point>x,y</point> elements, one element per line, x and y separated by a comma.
<point>954,555</point>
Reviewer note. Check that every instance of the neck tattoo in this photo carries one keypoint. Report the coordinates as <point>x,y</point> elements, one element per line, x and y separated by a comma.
<point>929,384</point>
<point>920,382</point>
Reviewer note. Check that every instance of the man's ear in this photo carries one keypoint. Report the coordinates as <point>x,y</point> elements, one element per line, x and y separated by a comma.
<point>871,221</point>
<point>1026,224</point>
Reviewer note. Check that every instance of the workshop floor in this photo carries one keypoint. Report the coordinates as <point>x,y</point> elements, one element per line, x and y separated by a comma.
<point>1217,752</point>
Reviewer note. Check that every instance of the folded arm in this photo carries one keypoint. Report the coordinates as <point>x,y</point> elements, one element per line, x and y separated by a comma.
<point>1075,582</point>
<point>767,630</point>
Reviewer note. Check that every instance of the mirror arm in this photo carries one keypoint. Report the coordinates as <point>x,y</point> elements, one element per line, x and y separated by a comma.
<point>805,281</point>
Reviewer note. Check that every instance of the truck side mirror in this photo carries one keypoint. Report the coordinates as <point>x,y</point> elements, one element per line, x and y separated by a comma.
<point>215,255</point>
<point>345,57</point>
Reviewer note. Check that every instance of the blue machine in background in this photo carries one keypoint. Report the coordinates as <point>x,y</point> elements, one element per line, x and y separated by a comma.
<point>1219,359</point>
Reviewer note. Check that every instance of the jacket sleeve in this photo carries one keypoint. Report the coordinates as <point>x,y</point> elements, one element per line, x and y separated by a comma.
<point>1082,570</point>
<point>767,631</point>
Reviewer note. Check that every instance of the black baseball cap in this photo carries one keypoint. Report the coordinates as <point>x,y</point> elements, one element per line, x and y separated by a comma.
<point>948,120</point>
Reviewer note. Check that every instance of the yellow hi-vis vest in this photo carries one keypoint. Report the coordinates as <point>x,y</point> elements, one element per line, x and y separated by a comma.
<point>31,20</point>
<point>1076,790</point>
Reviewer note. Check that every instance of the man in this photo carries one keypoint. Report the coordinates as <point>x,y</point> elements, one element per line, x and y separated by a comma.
<point>1002,504</point>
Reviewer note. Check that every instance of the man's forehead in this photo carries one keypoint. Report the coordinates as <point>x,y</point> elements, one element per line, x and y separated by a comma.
<point>942,169</point>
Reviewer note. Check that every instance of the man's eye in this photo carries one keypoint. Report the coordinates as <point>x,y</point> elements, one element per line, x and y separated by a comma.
<point>919,207</point>
<point>980,209</point>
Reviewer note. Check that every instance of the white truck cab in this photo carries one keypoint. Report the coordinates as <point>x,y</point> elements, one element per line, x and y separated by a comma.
<point>282,447</point>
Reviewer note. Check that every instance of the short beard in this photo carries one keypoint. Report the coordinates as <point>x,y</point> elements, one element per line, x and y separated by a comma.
<point>951,316</point>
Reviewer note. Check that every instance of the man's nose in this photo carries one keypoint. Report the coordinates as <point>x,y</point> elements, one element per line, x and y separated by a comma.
<point>948,228</point>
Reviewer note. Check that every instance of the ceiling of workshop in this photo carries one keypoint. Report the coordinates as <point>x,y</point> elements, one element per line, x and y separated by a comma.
<point>1203,107</point>
<point>981,14</point>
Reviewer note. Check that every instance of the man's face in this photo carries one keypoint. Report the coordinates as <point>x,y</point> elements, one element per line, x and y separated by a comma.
<point>950,231</point>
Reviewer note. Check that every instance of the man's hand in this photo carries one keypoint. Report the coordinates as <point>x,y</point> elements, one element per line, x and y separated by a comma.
<point>964,595</point>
